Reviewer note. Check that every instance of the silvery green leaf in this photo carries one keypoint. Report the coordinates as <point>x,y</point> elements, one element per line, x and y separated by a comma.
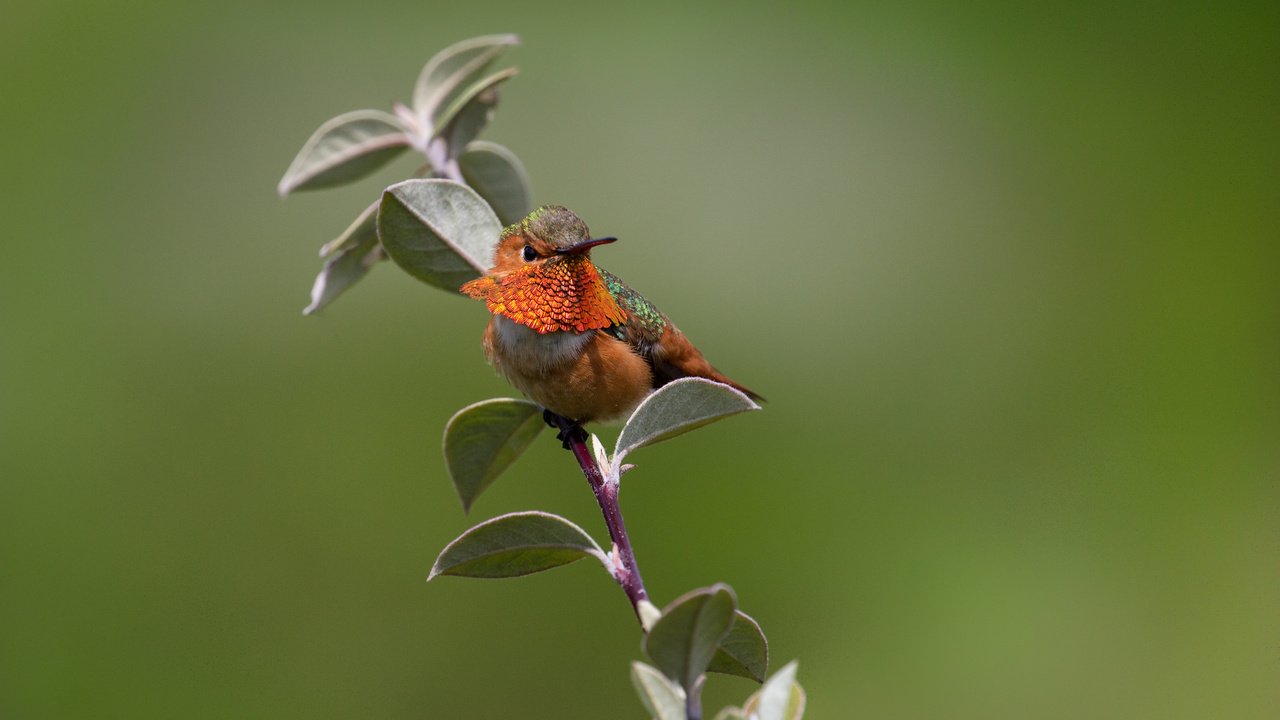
<point>678,407</point>
<point>498,175</point>
<point>439,231</point>
<point>682,642</point>
<point>344,149</point>
<point>365,226</point>
<point>343,270</point>
<point>470,111</point>
<point>407,116</point>
<point>781,698</point>
<point>517,544</point>
<point>451,70</point>
<point>662,698</point>
<point>744,651</point>
<point>730,713</point>
<point>483,439</point>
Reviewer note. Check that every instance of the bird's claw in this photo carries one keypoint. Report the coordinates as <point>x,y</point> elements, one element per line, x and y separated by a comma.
<point>570,431</point>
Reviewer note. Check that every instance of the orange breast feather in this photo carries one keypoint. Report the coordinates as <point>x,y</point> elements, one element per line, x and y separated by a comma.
<point>563,296</point>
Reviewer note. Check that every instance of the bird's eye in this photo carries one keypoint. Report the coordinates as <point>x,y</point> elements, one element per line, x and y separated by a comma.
<point>530,254</point>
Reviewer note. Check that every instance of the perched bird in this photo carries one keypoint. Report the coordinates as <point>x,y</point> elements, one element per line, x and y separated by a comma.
<point>571,336</point>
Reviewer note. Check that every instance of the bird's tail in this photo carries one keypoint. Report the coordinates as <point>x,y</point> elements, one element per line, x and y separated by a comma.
<point>680,358</point>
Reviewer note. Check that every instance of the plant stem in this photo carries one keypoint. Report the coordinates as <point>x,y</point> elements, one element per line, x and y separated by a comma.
<point>693,703</point>
<point>627,573</point>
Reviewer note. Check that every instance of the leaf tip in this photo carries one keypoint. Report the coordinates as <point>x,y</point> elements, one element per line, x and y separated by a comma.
<point>724,588</point>
<point>317,295</point>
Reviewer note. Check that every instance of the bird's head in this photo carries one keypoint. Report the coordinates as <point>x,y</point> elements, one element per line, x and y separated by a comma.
<point>548,236</point>
<point>543,277</point>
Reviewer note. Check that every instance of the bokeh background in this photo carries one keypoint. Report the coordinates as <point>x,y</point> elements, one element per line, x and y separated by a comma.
<point>1006,274</point>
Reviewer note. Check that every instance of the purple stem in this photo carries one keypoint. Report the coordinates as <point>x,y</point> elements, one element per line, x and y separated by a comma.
<point>628,573</point>
<point>693,702</point>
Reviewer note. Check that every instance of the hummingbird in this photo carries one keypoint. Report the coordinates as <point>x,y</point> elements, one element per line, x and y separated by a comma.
<point>571,335</point>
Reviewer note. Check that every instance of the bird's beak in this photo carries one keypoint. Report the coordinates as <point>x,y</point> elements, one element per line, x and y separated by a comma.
<point>585,245</point>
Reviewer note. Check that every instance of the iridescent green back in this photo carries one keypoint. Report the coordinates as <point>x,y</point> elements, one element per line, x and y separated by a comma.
<point>646,323</point>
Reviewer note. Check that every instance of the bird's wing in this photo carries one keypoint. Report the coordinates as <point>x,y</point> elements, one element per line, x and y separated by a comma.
<point>644,325</point>
<point>653,337</point>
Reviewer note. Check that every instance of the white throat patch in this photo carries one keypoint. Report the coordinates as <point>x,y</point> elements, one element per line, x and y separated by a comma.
<point>525,347</point>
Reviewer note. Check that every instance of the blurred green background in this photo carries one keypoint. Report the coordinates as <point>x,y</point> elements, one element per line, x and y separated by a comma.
<point>1005,273</point>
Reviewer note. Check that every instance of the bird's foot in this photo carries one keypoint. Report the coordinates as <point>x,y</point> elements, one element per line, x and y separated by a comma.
<point>569,430</point>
